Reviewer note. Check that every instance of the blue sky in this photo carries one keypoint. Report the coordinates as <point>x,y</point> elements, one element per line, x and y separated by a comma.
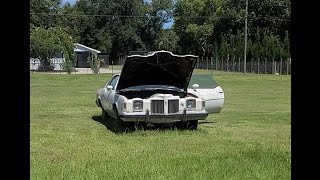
<point>70,1</point>
<point>165,26</point>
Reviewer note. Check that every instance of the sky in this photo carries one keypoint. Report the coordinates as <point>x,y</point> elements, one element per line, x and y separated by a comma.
<point>165,26</point>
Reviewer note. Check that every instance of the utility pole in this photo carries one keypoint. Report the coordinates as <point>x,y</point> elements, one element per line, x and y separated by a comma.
<point>245,40</point>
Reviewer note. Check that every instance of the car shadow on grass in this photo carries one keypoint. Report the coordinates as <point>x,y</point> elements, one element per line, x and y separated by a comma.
<point>109,122</point>
<point>114,126</point>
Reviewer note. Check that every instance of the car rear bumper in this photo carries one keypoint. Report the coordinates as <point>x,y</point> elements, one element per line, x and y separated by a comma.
<point>163,118</point>
<point>214,105</point>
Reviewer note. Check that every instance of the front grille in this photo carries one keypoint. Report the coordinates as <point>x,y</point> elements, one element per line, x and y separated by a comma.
<point>173,106</point>
<point>157,106</point>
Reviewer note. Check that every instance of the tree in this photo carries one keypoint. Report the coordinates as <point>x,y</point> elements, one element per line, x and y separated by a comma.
<point>271,15</point>
<point>158,13</point>
<point>201,34</point>
<point>239,44</point>
<point>94,62</point>
<point>287,45</point>
<point>224,48</point>
<point>195,33</point>
<point>167,40</point>
<point>115,34</point>
<point>41,10</point>
<point>46,43</point>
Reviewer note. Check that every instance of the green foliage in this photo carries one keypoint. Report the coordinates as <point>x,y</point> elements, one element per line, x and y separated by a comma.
<point>158,13</point>
<point>224,48</point>
<point>287,45</point>
<point>227,31</point>
<point>94,62</point>
<point>46,7</point>
<point>239,44</point>
<point>198,25</point>
<point>67,45</point>
<point>256,46</point>
<point>196,34</point>
<point>201,34</point>
<point>167,40</point>
<point>215,50</point>
<point>46,43</point>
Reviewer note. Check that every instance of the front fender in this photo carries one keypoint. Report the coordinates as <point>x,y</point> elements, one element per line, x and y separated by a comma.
<point>118,102</point>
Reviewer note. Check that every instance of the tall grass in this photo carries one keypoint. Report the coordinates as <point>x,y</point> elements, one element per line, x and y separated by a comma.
<point>249,139</point>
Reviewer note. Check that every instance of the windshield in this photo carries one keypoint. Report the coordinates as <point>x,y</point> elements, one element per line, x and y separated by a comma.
<point>204,81</point>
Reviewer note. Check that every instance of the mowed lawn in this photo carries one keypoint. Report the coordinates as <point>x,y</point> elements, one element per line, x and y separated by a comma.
<point>249,139</point>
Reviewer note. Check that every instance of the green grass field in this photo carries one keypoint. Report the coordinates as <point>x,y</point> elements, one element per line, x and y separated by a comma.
<point>249,139</point>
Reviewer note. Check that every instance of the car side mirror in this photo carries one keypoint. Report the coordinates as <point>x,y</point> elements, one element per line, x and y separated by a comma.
<point>195,86</point>
<point>109,87</point>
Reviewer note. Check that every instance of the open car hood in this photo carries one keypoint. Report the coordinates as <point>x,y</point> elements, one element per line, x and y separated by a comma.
<point>158,68</point>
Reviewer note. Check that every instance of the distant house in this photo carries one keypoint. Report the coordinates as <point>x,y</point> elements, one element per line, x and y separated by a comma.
<point>82,53</point>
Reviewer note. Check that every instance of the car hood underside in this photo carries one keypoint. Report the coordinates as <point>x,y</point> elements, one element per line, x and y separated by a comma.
<point>158,68</point>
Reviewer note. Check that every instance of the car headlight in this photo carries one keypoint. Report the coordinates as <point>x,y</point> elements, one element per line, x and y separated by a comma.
<point>191,103</point>
<point>137,105</point>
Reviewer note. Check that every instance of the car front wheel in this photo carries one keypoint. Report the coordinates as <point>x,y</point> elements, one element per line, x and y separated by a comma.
<point>104,113</point>
<point>190,125</point>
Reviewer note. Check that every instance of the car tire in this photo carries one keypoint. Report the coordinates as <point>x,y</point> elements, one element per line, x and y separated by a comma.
<point>182,126</point>
<point>190,125</point>
<point>121,125</point>
<point>104,114</point>
<point>129,126</point>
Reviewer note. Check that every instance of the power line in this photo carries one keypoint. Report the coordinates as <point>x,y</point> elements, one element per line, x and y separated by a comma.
<point>148,16</point>
<point>92,15</point>
<point>102,3</point>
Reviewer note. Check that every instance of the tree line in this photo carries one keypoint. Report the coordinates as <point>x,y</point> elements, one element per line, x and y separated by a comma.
<point>201,27</point>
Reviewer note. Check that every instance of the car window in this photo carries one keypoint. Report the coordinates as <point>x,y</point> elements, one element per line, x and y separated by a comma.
<point>113,82</point>
<point>204,81</point>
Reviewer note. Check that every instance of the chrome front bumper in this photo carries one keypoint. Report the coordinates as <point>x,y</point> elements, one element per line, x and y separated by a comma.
<point>164,118</point>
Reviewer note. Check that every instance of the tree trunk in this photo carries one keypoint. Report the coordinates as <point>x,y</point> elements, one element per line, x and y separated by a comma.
<point>207,62</point>
<point>233,65</point>
<point>258,65</point>
<point>251,64</point>
<point>265,65</point>
<point>273,69</point>
<point>287,66</point>
<point>280,72</point>
<point>211,64</point>
<point>202,63</point>
<point>197,63</point>
<point>228,63</point>
<point>45,65</point>
<point>221,63</point>
<point>217,63</point>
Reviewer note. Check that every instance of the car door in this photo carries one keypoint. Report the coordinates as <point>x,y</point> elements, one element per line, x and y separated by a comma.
<point>108,94</point>
<point>209,91</point>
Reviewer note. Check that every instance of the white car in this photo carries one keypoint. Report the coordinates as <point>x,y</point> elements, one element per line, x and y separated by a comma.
<point>153,89</point>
